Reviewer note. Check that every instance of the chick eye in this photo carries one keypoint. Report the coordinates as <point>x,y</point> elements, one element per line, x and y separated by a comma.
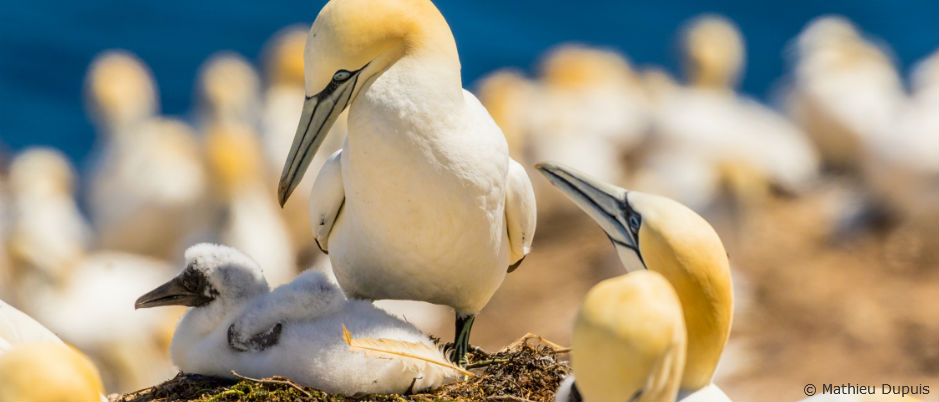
<point>341,75</point>
<point>634,223</point>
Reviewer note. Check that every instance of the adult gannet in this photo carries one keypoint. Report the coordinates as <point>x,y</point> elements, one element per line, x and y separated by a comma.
<point>628,342</point>
<point>229,90</point>
<point>656,233</point>
<point>236,323</point>
<point>120,92</point>
<point>38,366</point>
<point>422,202</point>
<point>249,219</point>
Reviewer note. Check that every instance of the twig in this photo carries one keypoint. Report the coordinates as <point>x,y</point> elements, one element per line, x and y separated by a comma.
<point>484,363</point>
<point>292,384</point>
<point>508,398</point>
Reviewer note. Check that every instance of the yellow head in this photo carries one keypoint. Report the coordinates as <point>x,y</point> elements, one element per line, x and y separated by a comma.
<point>714,52</point>
<point>352,42</point>
<point>576,67</point>
<point>230,87</point>
<point>43,171</point>
<point>656,233</point>
<point>233,153</point>
<point>52,372</point>
<point>120,90</point>
<point>283,60</point>
<point>629,340</point>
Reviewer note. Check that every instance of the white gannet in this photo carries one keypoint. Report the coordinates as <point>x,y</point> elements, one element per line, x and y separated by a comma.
<point>423,201</point>
<point>628,342</point>
<point>236,323</point>
<point>146,171</point>
<point>48,232</point>
<point>705,134</point>
<point>845,90</point>
<point>37,366</point>
<point>249,219</point>
<point>656,233</point>
<point>229,90</point>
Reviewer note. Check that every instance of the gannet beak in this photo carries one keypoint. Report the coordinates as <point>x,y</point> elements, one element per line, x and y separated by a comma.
<point>605,203</point>
<point>319,113</point>
<point>172,293</point>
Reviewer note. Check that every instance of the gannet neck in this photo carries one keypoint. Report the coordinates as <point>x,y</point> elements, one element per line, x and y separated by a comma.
<point>683,247</point>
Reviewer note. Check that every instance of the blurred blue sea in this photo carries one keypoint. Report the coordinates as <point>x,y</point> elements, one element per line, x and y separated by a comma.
<point>46,45</point>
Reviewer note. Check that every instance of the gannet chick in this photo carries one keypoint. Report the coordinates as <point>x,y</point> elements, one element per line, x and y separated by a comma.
<point>229,90</point>
<point>423,202</point>
<point>120,91</point>
<point>48,372</point>
<point>655,233</point>
<point>283,103</point>
<point>249,218</point>
<point>628,342</point>
<point>48,232</point>
<point>236,323</point>
<point>152,177</point>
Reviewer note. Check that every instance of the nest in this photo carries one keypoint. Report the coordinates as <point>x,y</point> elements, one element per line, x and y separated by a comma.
<point>527,370</point>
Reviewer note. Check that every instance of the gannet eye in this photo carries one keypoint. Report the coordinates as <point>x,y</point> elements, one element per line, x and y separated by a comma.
<point>341,75</point>
<point>634,223</point>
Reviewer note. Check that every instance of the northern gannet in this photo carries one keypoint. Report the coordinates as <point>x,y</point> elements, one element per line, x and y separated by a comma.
<point>37,366</point>
<point>249,219</point>
<point>655,233</point>
<point>236,323</point>
<point>423,201</point>
<point>120,92</point>
<point>229,90</point>
<point>628,342</point>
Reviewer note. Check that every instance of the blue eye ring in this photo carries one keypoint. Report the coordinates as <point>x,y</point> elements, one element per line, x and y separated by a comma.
<point>341,75</point>
<point>634,223</point>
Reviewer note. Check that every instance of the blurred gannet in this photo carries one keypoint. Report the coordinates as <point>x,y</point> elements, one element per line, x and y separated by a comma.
<point>656,233</point>
<point>230,90</point>
<point>250,220</point>
<point>628,342</point>
<point>236,323</point>
<point>845,89</point>
<point>38,366</point>
<point>48,232</point>
<point>120,92</point>
<point>152,177</point>
<point>717,136</point>
<point>422,202</point>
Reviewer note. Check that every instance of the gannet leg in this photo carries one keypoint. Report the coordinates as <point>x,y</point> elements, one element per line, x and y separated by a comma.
<point>464,324</point>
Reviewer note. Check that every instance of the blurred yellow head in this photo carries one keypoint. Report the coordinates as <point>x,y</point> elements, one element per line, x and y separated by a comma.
<point>577,67</point>
<point>42,171</point>
<point>230,86</point>
<point>714,52</point>
<point>234,156</point>
<point>48,372</point>
<point>629,340</point>
<point>283,62</point>
<point>120,89</point>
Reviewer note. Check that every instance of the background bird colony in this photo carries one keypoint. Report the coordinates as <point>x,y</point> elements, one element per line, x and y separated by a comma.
<point>826,199</point>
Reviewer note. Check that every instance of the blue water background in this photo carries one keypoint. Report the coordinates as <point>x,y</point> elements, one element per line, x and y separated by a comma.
<point>45,46</point>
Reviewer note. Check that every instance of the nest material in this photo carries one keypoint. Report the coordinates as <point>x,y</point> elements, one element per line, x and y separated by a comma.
<point>527,370</point>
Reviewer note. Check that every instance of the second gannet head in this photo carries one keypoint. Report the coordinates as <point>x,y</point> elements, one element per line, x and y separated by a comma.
<point>575,67</point>
<point>351,43</point>
<point>283,59</point>
<point>120,90</point>
<point>42,171</point>
<point>48,372</point>
<point>659,234</point>
<point>629,340</point>
<point>714,52</point>
<point>230,88</point>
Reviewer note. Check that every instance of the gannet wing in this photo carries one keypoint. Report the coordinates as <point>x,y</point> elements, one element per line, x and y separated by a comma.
<point>327,200</point>
<point>18,328</point>
<point>520,213</point>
